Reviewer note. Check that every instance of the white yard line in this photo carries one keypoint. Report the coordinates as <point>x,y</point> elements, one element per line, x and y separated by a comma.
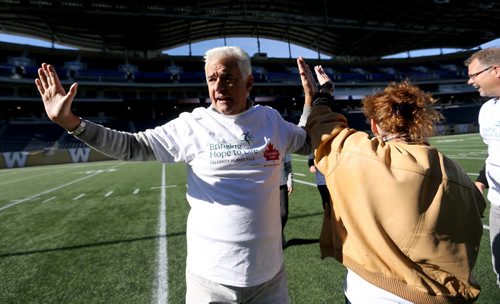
<point>26,199</point>
<point>162,186</point>
<point>304,182</point>
<point>36,196</point>
<point>161,296</point>
<point>49,199</point>
<point>25,178</point>
<point>465,157</point>
<point>79,196</point>
<point>64,167</point>
<point>301,159</point>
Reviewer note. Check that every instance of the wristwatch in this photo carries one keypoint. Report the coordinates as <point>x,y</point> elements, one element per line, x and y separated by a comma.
<point>80,129</point>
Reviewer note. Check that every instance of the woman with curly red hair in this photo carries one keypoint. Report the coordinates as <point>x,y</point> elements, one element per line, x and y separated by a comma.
<point>402,112</point>
<point>405,220</point>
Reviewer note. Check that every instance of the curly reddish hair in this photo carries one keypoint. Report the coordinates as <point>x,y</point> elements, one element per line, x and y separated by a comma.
<point>403,108</point>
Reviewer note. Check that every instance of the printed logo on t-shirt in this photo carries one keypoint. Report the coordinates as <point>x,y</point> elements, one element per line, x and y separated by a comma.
<point>492,131</point>
<point>227,153</point>
<point>247,138</point>
<point>270,153</point>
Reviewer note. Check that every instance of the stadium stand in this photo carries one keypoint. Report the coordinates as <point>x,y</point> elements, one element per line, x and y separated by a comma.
<point>138,93</point>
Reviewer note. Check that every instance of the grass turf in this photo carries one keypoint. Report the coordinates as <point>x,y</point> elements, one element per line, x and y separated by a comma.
<point>88,233</point>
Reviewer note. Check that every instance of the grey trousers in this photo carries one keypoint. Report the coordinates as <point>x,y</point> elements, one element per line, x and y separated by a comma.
<point>494,222</point>
<point>203,291</point>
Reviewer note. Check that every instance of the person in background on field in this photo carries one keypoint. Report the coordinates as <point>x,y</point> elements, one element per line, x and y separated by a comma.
<point>286,188</point>
<point>233,150</point>
<point>320,183</point>
<point>484,75</point>
<point>405,219</point>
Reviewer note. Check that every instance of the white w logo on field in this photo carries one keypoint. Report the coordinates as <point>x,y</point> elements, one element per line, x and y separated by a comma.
<point>15,158</point>
<point>80,155</point>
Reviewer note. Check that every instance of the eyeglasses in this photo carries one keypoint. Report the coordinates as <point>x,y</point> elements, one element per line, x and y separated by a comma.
<point>472,76</point>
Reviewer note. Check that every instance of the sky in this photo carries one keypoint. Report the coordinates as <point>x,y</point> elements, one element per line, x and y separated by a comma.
<point>273,48</point>
<point>278,49</point>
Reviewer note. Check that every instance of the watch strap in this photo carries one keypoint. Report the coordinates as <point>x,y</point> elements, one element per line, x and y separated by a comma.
<point>80,128</point>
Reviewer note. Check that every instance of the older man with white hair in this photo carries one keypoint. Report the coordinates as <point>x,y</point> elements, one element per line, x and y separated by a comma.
<point>233,150</point>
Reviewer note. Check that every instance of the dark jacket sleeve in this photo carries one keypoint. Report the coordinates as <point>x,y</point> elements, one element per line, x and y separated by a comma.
<point>323,122</point>
<point>482,177</point>
<point>310,161</point>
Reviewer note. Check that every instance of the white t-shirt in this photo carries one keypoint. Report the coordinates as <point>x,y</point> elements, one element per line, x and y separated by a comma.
<point>234,169</point>
<point>360,291</point>
<point>489,127</point>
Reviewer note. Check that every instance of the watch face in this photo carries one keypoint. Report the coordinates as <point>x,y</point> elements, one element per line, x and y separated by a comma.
<point>327,85</point>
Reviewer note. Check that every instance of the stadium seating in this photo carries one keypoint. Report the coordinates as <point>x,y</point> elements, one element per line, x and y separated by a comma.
<point>132,94</point>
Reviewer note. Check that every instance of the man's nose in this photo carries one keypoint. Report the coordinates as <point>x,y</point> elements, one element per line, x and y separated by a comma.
<point>219,85</point>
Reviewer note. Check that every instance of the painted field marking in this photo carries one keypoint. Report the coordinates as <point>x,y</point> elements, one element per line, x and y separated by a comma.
<point>161,292</point>
<point>36,196</point>
<point>49,199</point>
<point>162,187</point>
<point>79,196</point>
<point>304,182</point>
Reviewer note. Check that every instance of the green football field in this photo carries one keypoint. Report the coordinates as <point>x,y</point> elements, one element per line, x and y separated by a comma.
<point>114,232</point>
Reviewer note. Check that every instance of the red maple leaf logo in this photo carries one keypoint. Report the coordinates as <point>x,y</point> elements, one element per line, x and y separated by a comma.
<point>270,153</point>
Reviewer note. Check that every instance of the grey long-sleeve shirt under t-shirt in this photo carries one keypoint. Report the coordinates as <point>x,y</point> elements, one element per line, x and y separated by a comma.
<point>136,147</point>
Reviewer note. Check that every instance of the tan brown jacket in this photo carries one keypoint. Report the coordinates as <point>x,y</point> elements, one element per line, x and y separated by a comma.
<point>404,217</point>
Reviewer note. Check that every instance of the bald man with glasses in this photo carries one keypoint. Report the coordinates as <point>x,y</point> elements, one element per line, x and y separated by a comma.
<point>484,75</point>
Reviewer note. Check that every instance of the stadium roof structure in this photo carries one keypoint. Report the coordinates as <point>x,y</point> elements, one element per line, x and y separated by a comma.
<point>354,28</point>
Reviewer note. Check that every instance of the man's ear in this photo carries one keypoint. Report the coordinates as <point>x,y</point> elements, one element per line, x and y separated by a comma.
<point>373,125</point>
<point>249,83</point>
